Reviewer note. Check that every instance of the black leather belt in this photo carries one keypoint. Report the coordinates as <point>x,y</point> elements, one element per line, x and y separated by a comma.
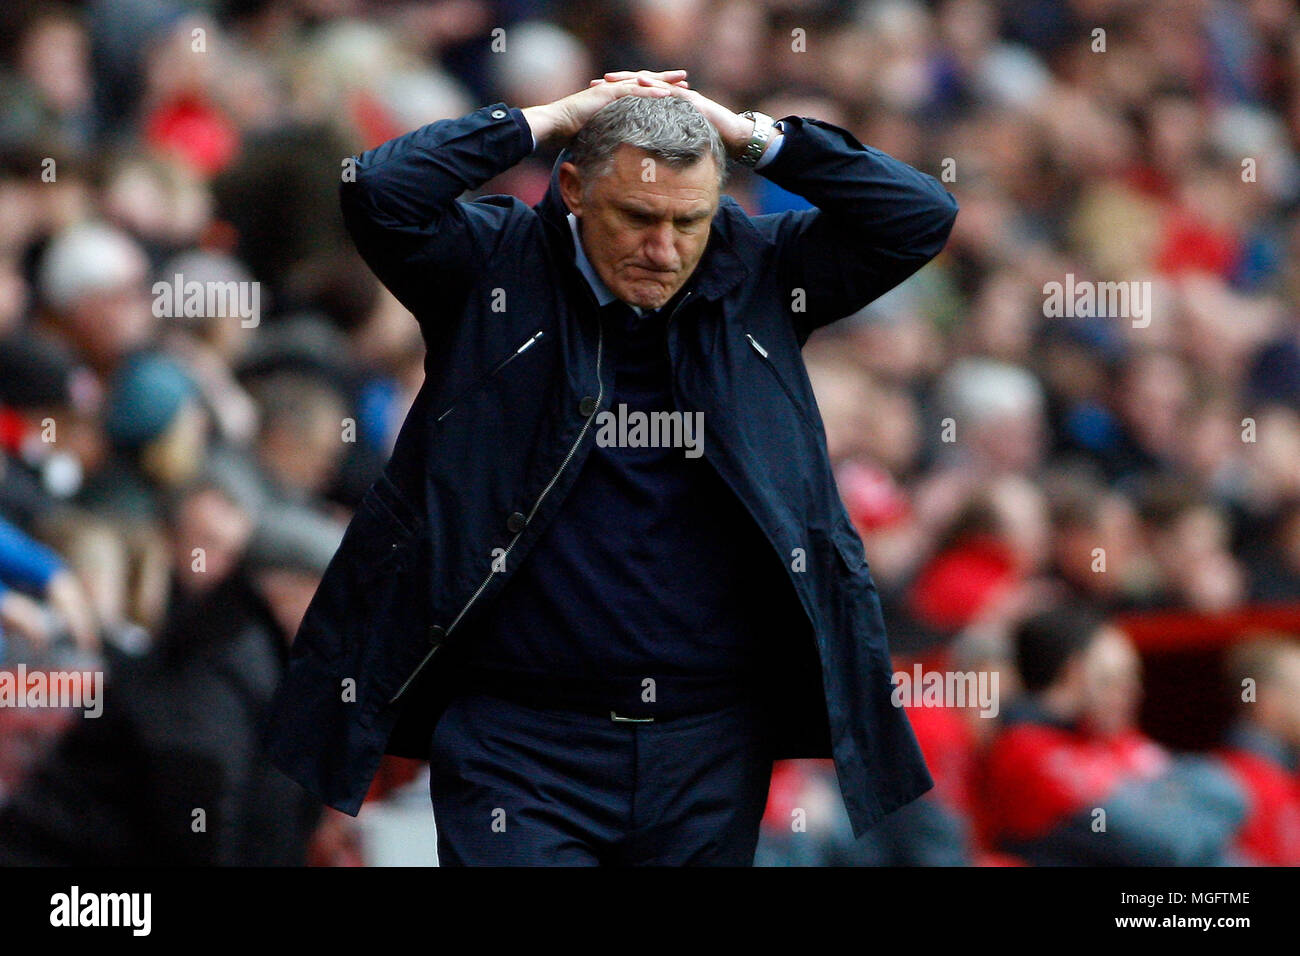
<point>619,699</point>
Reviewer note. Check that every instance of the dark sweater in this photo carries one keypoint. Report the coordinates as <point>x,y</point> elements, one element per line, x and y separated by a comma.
<point>653,567</point>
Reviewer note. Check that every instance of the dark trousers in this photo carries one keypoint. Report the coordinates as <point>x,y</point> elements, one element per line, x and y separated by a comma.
<point>517,785</point>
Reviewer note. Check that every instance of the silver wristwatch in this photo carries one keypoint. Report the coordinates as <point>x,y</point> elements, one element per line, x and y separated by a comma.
<point>764,130</point>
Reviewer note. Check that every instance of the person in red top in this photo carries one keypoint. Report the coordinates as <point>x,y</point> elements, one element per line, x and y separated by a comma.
<point>1071,781</point>
<point>1260,748</point>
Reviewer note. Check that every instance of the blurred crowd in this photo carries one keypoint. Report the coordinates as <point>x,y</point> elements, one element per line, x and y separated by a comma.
<point>173,480</point>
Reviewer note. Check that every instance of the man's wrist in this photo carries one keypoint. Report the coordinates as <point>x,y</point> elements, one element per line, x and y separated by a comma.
<point>540,122</point>
<point>736,145</point>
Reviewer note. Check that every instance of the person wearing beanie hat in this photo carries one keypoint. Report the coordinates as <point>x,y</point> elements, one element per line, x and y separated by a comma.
<point>86,259</point>
<point>157,428</point>
<point>91,281</point>
<point>145,397</point>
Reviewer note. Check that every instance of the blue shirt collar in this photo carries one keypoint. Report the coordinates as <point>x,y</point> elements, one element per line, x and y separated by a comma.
<point>603,295</point>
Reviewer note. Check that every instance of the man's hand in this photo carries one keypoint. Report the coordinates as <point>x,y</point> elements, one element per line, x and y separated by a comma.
<point>560,121</point>
<point>734,129</point>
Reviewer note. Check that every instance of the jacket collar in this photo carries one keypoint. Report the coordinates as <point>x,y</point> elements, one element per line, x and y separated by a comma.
<point>733,240</point>
<point>602,292</point>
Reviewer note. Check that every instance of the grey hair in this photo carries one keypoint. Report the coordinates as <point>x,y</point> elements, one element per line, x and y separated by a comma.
<point>667,127</point>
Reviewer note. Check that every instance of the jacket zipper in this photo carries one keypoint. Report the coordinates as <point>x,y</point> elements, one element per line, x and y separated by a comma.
<point>673,315</point>
<point>600,394</point>
<point>495,369</point>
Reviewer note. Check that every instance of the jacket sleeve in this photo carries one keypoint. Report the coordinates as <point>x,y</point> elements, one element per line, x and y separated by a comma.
<point>402,208</point>
<point>876,221</point>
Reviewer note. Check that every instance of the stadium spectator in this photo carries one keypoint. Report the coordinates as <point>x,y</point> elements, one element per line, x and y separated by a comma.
<point>172,771</point>
<point>1072,781</point>
<point>1261,747</point>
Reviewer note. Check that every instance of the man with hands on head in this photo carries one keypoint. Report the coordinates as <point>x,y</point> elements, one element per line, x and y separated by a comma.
<point>600,639</point>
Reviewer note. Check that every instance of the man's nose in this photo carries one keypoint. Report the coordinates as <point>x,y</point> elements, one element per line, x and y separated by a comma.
<point>659,248</point>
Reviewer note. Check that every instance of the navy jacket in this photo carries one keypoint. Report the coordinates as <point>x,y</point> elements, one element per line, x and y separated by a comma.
<point>517,368</point>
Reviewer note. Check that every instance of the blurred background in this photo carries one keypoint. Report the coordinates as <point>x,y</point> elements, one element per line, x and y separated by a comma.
<point>1101,510</point>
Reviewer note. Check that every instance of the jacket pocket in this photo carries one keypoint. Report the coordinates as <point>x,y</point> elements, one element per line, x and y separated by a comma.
<point>389,497</point>
<point>771,367</point>
<point>489,375</point>
<point>388,528</point>
<point>376,550</point>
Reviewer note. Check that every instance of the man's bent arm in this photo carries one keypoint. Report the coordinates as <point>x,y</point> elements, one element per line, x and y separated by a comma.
<point>400,205</point>
<point>877,220</point>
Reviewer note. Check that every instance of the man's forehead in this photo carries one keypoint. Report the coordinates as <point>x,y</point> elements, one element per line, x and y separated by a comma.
<point>639,178</point>
<point>690,204</point>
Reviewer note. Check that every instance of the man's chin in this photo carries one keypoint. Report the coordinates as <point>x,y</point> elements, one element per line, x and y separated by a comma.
<point>646,295</point>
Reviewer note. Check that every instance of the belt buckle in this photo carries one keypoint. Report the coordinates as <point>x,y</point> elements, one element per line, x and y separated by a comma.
<point>630,720</point>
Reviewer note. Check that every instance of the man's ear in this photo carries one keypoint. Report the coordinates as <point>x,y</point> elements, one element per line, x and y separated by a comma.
<point>571,187</point>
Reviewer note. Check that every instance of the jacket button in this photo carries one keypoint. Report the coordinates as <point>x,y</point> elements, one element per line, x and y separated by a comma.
<point>515,523</point>
<point>436,633</point>
<point>587,407</point>
<point>498,114</point>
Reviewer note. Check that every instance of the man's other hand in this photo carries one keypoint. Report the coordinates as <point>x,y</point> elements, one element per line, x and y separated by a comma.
<point>734,129</point>
<point>558,122</point>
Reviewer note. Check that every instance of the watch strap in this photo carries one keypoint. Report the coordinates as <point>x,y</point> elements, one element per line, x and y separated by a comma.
<point>764,130</point>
